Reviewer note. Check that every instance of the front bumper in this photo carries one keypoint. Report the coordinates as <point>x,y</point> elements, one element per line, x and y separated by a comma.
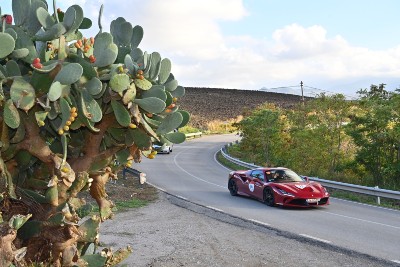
<point>300,202</point>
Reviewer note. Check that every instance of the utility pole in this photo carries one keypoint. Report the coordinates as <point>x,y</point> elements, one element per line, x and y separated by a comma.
<point>302,95</point>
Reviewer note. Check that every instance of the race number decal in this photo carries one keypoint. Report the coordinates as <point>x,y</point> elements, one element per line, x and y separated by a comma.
<point>251,187</point>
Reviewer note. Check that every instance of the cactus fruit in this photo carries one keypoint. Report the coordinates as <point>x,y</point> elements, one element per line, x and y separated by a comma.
<point>7,18</point>
<point>70,106</point>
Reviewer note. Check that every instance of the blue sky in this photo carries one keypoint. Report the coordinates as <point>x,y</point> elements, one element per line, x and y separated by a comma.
<point>334,45</point>
<point>369,23</point>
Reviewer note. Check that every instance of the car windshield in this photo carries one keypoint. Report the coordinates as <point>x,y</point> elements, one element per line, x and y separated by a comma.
<point>285,176</point>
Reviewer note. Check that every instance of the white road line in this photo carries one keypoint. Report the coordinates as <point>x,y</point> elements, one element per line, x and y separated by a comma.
<point>362,220</point>
<point>316,238</point>
<point>194,176</point>
<point>259,222</point>
<point>214,208</point>
<point>215,159</point>
<point>181,197</point>
<point>396,261</point>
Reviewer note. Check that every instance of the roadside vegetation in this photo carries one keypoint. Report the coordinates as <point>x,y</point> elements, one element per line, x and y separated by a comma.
<point>330,137</point>
<point>189,129</point>
<point>213,127</point>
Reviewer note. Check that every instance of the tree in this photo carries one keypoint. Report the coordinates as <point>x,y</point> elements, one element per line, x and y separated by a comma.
<point>375,130</point>
<point>74,111</point>
<point>308,138</point>
<point>261,131</point>
<point>320,125</point>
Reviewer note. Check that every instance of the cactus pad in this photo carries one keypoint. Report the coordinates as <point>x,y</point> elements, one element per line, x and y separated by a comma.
<point>155,91</point>
<point>137,36</point>
<point>7,44</point>
<point>121,114</point>
<point>151,104</point>
<point>105,51</point>
<point>170,122</point>
<point>44,18</point>
<point>119,82</point>
<point>175,138</point>
<point>11,115</point>
<point>22,94</point>
<point>143,84</point>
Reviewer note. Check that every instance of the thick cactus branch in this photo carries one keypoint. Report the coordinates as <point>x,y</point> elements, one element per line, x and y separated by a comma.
<point>7,236</point>
<point>91,148</point>
<point>6,178</point>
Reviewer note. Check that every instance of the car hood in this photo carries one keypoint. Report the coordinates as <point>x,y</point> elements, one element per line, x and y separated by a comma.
<point>306,189</point>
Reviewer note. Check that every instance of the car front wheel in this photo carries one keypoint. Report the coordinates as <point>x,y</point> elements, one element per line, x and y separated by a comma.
<point>232,187</point>
<point>269,198</point>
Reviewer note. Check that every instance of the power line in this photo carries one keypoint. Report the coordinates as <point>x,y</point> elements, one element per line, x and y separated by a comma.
<point>330,92</point>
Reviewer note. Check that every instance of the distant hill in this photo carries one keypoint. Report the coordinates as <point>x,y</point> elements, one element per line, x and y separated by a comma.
<point>208,104</point>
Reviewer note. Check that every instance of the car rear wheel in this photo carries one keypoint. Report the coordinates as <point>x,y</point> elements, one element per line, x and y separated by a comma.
<point>269,198</point>
<point>232,186</point>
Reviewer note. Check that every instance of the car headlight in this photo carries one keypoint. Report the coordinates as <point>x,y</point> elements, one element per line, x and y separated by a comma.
<point>326,191</point>
<point>283,192</point>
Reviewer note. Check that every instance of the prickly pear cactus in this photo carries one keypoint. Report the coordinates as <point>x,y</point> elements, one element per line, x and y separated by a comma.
<point>70,107</point>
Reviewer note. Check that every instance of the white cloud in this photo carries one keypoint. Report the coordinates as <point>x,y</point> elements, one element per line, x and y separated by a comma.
<point>297,42</point>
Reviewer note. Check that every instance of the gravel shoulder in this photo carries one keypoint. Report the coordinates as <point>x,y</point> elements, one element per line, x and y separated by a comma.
<point>174,232</point>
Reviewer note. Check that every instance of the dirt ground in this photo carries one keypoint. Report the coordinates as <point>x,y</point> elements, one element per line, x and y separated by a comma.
<point>173,232</point>
<point>128,188</point>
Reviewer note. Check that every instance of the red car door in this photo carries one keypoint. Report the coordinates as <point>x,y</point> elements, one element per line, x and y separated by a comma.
<point>256,183</point>
<point>242,181</point>
<point>248,186</point>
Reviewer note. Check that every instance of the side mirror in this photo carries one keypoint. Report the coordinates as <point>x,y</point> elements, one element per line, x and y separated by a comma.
<point>306,179</point>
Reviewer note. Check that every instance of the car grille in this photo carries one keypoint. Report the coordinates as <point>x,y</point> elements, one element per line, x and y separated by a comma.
<point>299,202</point>
<point>323,201</point>
<point>303,202</point>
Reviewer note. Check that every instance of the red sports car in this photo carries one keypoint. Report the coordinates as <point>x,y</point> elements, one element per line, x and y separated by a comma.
<point>277,186</point>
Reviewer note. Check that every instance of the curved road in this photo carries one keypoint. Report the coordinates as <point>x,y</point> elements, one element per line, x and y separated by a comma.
<point>192,172</point>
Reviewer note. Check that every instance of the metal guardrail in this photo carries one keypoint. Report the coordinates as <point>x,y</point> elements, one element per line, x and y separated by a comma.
<point>193,135</point>
<point>372,191</point>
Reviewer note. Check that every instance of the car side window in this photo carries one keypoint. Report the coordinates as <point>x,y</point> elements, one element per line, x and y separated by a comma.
<point>258,174</point>
<point>270,176</point>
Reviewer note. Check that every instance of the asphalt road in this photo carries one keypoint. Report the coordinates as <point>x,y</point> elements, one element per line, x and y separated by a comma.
<point>192,172</point>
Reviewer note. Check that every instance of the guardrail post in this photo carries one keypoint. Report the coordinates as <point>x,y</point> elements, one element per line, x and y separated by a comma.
<point>378,199</point>
<point>139,174</point>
